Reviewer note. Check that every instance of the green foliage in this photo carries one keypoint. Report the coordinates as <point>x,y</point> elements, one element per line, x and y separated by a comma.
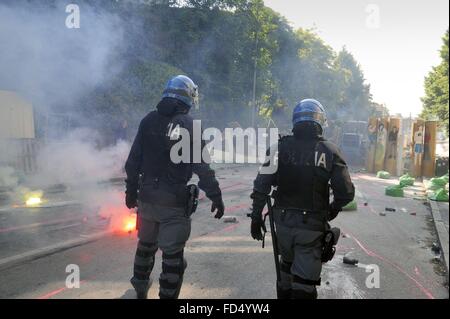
<point>220,43</point>
<point>435,102</point>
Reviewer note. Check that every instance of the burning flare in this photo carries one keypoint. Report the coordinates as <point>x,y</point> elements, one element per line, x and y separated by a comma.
<point>33,198</point>
<point>33,201</point>
<point>129,223</point>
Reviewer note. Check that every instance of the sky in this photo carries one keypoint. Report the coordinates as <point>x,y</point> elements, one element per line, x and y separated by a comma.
<point>396,42</point>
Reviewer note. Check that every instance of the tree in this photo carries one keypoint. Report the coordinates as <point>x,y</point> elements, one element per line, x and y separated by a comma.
<point>219,44</point>
<point>354,99</point>
<point>435,102</point>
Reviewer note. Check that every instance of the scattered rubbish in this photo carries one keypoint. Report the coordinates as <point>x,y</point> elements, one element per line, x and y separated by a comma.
<point>230,219</point>
<point>327,283</point>
<point>352,206</point>
<point>406,180</point>
<point>436,248</point>
<point>436,259</point>
<point>350,261</point>
<point>438,182</point>
<point>394,191</point>
<point>440,195</point>
<point>388,209</point>
<point>366,204</point>
<point>383,214</point>
<point>383,175</point>
<point>344,235</point>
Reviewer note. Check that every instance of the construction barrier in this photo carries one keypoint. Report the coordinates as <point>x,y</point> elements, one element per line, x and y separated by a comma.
<point>21,154</point>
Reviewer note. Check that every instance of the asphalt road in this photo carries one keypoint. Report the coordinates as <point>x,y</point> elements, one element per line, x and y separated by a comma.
<point>224,262</point>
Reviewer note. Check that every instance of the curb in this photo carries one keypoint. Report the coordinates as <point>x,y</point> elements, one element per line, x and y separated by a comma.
<point>442,233</point>
<point>9,262</point>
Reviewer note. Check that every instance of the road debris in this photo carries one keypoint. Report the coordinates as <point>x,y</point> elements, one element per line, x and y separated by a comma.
<point>350,261</point>
<point>383,175</point>
<point>406,180</point>
<point>394,191</point>
<point>230,219</point>
<point>436,248</point>
<point>440,195</point>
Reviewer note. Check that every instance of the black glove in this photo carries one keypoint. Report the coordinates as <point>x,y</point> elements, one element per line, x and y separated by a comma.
<point>217,204</point>
<point>333,213</point>
<point>259,201</point>
<point>131,199</point>
<point>258,226</point>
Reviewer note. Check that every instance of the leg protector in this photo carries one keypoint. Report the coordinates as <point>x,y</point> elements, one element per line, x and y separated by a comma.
<point>144,262</point>
<point>304,289</point>
<point>284,287</point>
<point>171,279</point>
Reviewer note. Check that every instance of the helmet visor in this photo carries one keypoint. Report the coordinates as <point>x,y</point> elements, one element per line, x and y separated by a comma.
<point>320,118</point>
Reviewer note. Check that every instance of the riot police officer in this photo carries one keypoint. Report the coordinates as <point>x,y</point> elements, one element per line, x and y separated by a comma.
<point>157,185</point>
<point>307,166</point>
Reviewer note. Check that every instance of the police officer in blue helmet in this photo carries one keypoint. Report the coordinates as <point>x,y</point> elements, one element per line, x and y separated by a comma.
<point>157,185</point>
<point>308,166</point>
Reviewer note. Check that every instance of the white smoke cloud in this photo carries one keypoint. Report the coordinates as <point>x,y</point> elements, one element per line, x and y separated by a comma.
<point>50,64</point>
<point>76,160</point>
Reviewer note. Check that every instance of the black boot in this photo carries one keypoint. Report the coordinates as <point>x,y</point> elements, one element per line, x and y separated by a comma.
<point>284,293</point>
<point>302,294</point>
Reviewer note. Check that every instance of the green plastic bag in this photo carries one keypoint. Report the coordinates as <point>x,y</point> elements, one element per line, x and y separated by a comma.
<point>352,206</point>
<point>407,180</point>
<point>383,175</point>
<point>440,195</point>
<point>394,191</point>
<point>439,181</point>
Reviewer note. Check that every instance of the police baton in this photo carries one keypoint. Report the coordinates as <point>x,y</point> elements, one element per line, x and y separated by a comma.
<point>274,238</point>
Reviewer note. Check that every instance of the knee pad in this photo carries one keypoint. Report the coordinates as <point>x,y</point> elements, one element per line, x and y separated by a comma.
<point>173,267</point>
<point>174,264</point>
<point>144,260</point>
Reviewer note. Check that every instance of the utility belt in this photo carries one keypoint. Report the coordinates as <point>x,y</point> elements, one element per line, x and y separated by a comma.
<point>331,235</point>
<point>319,216</point>
<point>161,193</point>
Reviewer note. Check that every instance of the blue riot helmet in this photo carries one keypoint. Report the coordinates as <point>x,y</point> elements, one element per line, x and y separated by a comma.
<point>310,110</point>
<point>183,89</point>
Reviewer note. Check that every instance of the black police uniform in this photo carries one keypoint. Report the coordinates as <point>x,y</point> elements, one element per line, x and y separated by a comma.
<point>307,166</point>
<point>160,185</point>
